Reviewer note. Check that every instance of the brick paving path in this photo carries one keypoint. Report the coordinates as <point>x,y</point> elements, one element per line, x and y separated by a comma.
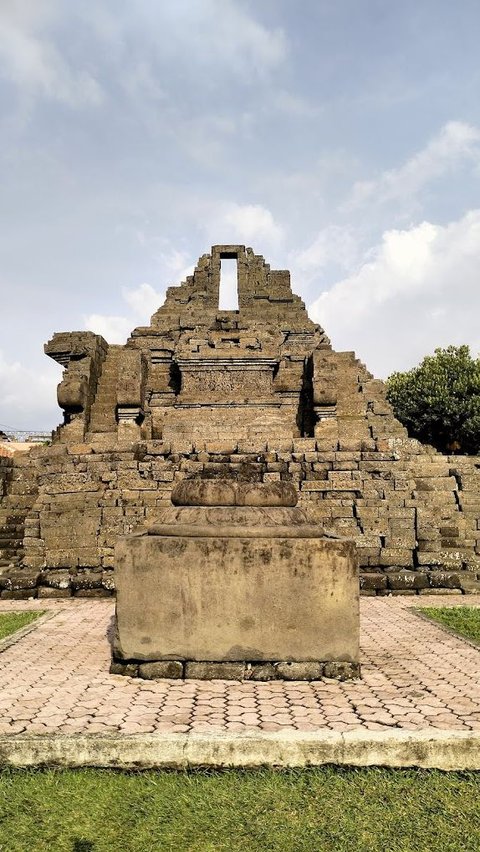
<point>415,676</point>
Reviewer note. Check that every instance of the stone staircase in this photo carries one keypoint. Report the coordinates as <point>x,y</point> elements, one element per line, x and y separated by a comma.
<point>103,411</point>
<point>19,488</point>
<point>11,536</point>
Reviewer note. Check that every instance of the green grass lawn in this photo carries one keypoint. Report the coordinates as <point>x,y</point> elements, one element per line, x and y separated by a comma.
<point>465,620</point>
<point>12,621</point>
<point>339,810</point>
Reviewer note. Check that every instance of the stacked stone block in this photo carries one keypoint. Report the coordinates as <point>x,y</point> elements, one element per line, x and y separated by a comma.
<point>399,504</point>
<point>18,490</point>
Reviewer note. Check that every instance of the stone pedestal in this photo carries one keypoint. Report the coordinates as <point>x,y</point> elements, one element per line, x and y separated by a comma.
<point>234,582</point>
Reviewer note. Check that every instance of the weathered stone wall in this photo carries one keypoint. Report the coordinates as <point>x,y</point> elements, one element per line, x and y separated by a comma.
<point>5,467</point>
<point>17,493</point>
<point>413,514</point>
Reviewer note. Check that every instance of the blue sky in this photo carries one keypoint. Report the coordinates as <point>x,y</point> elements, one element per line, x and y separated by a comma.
<point>339,139</point>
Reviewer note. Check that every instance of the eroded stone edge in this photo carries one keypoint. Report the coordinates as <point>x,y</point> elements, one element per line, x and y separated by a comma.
<point>426,749</point>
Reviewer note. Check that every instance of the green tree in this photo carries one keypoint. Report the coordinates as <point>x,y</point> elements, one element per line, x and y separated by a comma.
<point>439,401</point>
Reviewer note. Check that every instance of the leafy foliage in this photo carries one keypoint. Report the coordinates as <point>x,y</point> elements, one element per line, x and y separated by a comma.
<point>439,401</point>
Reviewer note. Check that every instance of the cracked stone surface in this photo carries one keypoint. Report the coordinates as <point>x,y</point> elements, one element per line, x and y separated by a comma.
<point>415,675</point>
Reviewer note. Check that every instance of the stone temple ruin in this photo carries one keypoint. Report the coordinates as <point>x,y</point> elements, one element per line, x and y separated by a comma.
<point>256,394</point>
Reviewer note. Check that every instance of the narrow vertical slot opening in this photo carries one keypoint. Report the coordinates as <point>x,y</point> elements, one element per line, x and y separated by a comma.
<point>228,292</point>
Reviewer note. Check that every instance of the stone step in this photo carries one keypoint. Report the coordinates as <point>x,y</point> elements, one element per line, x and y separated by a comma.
<point>90,436</point>
<point>7,554</point>
<point>102,416</point>
<point>13,531</point>
<point>104,411</point>
<point>104,425</point>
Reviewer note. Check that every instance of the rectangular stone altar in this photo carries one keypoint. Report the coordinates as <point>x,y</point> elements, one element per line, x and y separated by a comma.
<point>253,586</point>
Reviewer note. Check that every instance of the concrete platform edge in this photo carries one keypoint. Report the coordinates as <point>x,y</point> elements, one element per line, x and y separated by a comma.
<point>426,749</point>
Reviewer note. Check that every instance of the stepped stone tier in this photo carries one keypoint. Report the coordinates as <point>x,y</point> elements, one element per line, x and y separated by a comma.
<point>234,582</point>
<point>257,393</point>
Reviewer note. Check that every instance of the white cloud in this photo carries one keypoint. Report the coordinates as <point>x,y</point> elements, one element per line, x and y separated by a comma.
<point>205,42</point>
<point>113,328</point>
<point>142,302</point>
<point>30,59</point>
<point>250,224</point>
<point>220,32</point>
<point>28,13</point>
<point>334,243</point>
<point>176,263</point>
<point>139,80</point>
<point>28,396</point>
<point>417,290</point>
<point>455,143</point>
<point>296,106</point>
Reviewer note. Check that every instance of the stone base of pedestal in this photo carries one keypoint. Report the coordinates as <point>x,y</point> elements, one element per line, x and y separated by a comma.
<point>248,589</point>
<point>194,670</point>
<point>214,606</point>
<point>208,670</point>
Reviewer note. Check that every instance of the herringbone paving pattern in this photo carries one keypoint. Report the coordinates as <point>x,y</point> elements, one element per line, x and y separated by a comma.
<point>415,676</point>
